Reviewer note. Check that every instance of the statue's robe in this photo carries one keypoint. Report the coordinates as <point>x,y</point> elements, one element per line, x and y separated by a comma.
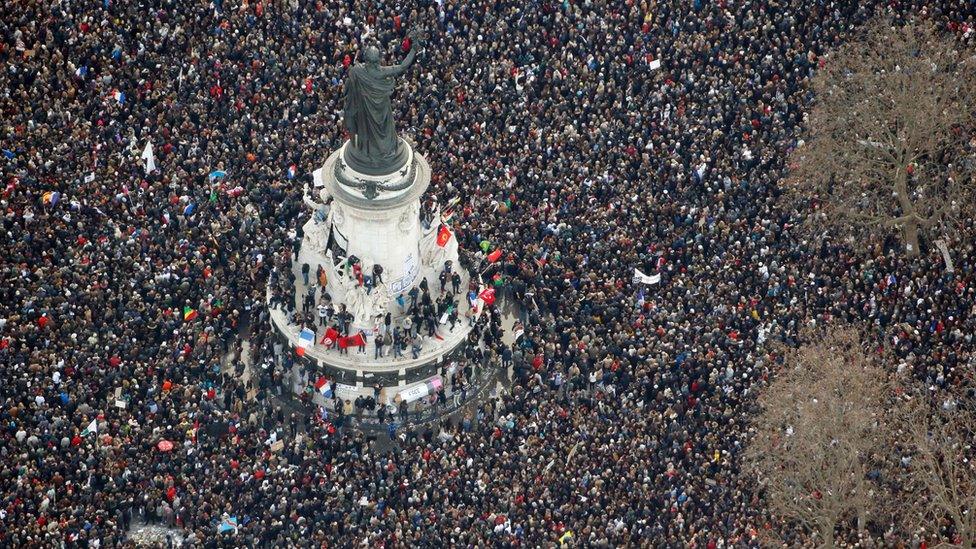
<point>368,114</point>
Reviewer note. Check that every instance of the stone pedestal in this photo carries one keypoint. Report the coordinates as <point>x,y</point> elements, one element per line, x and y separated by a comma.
<point>379,226</point>
<point>376,219</point>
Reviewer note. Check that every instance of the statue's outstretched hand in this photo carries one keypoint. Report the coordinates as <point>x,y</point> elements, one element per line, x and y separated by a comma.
<point>416,37</point>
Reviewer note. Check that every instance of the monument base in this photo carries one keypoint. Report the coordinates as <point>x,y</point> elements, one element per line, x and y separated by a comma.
<point>377,167</point>
<point>349,234</point>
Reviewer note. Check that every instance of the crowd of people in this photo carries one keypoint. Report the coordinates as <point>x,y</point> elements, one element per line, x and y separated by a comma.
<point>419,312</point>
<point>585,138</point>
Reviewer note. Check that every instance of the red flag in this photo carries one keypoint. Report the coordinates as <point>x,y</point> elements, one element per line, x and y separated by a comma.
<point>495,255</point>
<point>352,341</point>
<point>357,340</point>
<point>300,351</point>
<point>330,337</point>
<point>443,236</point>
<point>487,295</point>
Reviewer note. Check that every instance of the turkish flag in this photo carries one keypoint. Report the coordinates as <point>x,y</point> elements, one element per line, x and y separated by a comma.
<point>443,236</point>
<point>495,255</point>
<point>488,296</point>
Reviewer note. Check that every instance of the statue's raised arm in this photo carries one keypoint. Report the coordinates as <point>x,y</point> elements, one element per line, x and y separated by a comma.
<point>368,115</point>
<point>397,70</point>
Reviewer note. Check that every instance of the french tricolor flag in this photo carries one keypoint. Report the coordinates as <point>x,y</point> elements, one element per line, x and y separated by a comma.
<point>292,170</point>
<point>305,341</point>
<point>322,386</point>
<point>118,96</point>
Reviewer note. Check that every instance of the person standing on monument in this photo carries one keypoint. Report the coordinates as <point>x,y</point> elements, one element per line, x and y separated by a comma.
<point>378,341</point>
<point>456,282</point>
<point>342,320</point>
<point>397,343</point>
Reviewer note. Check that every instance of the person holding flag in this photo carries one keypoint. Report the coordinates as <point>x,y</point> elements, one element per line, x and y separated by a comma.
<point>443,235</point>
<point>91,428</point>
<point>149,157</point>
<point>487,295</point>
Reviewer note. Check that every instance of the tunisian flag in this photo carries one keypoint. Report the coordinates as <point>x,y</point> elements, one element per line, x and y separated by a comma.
<point>330,337</point>
<point>443,236</point>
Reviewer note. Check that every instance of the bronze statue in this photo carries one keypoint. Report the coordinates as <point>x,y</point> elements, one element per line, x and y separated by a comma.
<point>368,115</point>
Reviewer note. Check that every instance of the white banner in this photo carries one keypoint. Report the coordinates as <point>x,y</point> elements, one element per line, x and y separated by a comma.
<point>317,179</point>
<point>421,390</point>
<point>945,255</point>
<point>641,278</point>
<point>416,392</point>
<point>410,271</point>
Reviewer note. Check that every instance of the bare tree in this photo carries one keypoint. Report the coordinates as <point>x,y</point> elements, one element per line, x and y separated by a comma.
<point>888,135</point>
<point>942,472</point>
<point>822,419</point>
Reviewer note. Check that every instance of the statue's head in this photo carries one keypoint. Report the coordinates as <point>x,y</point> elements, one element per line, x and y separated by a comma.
<point>372,55</point>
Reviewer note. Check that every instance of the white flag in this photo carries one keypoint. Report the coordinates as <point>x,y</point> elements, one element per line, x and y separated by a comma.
<point>656,64</point>
<point>92,428</point>
<point>642,278</point>
<point>149,157</point>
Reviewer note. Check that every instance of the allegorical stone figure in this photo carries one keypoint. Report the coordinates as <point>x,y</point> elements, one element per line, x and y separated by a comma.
<point>368,115</point>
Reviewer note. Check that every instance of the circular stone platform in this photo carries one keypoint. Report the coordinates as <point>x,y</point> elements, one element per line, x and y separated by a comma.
<point>376,219</point>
